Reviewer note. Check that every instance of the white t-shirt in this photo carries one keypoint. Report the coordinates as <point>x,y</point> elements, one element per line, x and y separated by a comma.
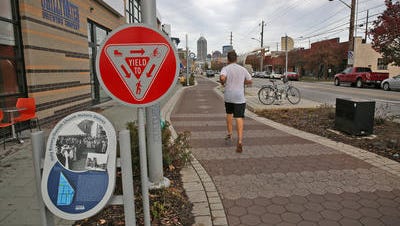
<point>234,84</point>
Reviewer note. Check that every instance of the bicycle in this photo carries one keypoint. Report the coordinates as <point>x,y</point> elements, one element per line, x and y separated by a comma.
<point>268,94</point>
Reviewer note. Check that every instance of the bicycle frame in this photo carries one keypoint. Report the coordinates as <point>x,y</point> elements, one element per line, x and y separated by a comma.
<point>278,92</point>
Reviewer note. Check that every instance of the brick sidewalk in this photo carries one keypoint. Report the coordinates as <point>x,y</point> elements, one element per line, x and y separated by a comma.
<point>283,179</point>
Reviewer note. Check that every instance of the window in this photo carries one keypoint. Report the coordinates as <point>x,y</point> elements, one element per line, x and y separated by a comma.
<point>133,11</point>
<point>363,69</point>
<point>382,65</point>
<point>11,61</point>
<point>96,35</point>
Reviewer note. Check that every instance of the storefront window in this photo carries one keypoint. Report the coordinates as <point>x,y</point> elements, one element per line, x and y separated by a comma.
<point>11,62</point>
<point>5,10</point>
<point>100,35</point>
<point>96,34</point>
<point>6,33</point>
<point>133,11</point>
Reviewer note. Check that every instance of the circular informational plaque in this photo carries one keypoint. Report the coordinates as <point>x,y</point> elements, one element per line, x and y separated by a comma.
<point>79,168</point>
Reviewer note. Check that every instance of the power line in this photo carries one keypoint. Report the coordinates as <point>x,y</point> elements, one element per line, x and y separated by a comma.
<point>337,21</point>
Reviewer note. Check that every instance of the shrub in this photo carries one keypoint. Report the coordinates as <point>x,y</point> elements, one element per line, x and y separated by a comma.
<point>182,80</point>
<point>175,151</point>
<point>382,113</point>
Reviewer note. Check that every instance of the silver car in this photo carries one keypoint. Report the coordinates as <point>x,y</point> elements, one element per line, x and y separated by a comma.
<point>392,83</point>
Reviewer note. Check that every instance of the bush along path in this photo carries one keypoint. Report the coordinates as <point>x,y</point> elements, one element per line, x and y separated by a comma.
<point>168,206</point>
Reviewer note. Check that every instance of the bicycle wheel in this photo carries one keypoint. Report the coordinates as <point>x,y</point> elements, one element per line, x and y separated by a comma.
<point>266,95</point>
<point>293,95</point>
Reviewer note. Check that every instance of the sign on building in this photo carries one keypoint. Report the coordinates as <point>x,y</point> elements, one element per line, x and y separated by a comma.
<point>79,168</point>
<point>350,57</point>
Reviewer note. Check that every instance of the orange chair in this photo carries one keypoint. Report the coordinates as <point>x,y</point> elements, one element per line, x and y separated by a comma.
<point>4,125</point>
<point>28,112</point>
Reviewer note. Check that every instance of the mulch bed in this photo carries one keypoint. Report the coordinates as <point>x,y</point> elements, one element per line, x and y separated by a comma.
<point>385,140</point>
<point>169,206</point>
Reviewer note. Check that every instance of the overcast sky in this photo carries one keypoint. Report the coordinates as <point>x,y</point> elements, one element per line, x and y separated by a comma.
<point>304,20</point>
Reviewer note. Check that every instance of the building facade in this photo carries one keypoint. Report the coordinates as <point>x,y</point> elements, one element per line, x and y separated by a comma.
<point>202,49</point>
<point>226,49</point>
<point>48,50</point>
<point>366,56</point>
<point>287,43</point>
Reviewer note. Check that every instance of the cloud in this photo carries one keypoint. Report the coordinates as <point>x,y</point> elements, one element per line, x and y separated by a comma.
<point>216,19</point>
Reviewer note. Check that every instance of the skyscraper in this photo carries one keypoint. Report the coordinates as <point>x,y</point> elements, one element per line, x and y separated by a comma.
<point>202,49</point>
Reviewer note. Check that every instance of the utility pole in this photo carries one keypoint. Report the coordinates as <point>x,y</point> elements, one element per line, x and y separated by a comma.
<point>366,27</point>
<point>352,8</point>
<point>351,30</point>
<point>231,39</point>
<point>262,48</point>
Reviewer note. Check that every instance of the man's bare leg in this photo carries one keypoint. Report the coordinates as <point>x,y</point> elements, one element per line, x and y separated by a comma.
<point>229,118</point>
<point>239,128</point>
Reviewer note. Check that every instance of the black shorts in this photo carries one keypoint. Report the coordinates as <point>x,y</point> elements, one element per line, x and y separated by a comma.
<point>236,109</point>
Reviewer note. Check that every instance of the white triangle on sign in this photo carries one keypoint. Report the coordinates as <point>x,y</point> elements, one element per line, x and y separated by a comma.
<point>137,64</point>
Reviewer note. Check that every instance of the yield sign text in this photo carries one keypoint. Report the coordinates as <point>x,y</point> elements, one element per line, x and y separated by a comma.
<point>137,64</point>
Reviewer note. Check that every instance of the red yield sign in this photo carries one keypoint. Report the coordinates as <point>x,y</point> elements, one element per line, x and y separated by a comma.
<point>137,65</point>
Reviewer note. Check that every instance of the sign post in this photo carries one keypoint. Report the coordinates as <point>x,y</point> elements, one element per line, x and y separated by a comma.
<point>153,118</point>
<point>137,66</point>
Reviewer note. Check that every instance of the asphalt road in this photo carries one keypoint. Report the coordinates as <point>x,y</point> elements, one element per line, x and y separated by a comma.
<point>387,102</point>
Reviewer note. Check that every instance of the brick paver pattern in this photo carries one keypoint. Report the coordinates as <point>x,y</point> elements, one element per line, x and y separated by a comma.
<point>281,179</point>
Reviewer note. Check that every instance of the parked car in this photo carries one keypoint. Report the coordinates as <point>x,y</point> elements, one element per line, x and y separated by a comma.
<point>267,74</point>
<point>275,75</point>
<point>292,76</point>
<point>259,74</point>
<point>392,83</point>
<point>210,73</point>
<point>262,74</point>
<point>360,76</point>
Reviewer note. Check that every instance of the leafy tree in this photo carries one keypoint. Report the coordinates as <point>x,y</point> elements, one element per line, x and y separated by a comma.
<point>324,55</point>
<point>217,65</point>
<point>386,33</point>
<point>254,60</point>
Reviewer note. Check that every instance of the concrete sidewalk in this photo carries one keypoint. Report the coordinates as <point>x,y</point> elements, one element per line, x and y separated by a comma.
<point>284,176</point>
<point>18,194</point>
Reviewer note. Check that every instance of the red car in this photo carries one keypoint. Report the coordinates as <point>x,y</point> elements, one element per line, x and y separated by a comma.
<point>292,76</point>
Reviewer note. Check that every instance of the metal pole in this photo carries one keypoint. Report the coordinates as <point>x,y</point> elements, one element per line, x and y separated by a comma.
<point>37,156</point>
<point>143,166</point>
<point>149,18</point>
<point>127,178</point>
<point>153,119</point>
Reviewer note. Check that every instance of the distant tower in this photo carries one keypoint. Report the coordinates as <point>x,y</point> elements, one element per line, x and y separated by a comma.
<point>202,49</point>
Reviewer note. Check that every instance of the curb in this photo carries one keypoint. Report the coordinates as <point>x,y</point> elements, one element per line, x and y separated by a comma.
<point>199,186</point>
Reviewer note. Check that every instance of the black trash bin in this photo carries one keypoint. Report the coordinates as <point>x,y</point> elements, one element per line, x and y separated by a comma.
<point>355,116</point>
